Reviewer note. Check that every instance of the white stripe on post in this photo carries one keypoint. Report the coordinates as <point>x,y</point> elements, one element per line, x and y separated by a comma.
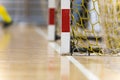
<point>51,23</point>
<point>65,34</point>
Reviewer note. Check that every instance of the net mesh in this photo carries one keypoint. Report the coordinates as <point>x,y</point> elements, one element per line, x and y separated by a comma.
<point>94,26</point>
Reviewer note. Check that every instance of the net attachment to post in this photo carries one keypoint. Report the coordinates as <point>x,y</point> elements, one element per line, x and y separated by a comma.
<point>94,26</point>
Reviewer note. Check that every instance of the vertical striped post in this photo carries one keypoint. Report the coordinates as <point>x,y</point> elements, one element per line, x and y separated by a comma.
<point>51,22</point>
<point>65,34</point>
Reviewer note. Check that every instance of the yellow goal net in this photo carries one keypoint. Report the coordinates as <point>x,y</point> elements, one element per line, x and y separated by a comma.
<point>95,26</point>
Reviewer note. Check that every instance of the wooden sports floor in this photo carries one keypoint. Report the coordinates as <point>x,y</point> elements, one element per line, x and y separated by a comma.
<point>25,54</point>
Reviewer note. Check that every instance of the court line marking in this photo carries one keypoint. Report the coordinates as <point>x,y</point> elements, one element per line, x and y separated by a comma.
<point>81,67</point>
<point>40,32</point>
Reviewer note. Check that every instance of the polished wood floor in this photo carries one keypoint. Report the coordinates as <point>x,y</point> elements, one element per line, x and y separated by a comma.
<point>26,55</point>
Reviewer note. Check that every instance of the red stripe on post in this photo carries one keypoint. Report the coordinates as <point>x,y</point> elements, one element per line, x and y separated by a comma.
<point>51,16</point>
<point>65,20</point>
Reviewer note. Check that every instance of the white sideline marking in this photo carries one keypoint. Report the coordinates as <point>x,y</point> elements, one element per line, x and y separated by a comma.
<point>55,46</point>
<point>40,32</point>
<point>85,71</point>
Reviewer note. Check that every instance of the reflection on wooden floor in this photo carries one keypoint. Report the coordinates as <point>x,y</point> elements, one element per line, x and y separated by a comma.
<point>26,55</point>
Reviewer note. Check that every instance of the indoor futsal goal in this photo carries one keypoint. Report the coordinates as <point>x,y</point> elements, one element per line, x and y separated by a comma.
<point>87,27</point>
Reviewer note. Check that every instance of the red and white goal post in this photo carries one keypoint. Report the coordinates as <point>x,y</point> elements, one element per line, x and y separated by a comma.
<point>66,23</point>
<point>51,21</point>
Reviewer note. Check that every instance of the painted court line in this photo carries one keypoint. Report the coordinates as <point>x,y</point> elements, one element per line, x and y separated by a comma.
<point>54,45</point>
<point>39,31</point>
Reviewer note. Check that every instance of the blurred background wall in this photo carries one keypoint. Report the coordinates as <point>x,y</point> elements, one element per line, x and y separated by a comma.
<point>30,11</point>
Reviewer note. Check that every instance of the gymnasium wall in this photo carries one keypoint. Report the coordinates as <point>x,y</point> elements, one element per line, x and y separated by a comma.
<point>31,11</point>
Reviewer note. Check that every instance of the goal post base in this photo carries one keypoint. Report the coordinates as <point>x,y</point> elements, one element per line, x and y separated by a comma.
<point>65,42</point>
<point>51,32</point>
